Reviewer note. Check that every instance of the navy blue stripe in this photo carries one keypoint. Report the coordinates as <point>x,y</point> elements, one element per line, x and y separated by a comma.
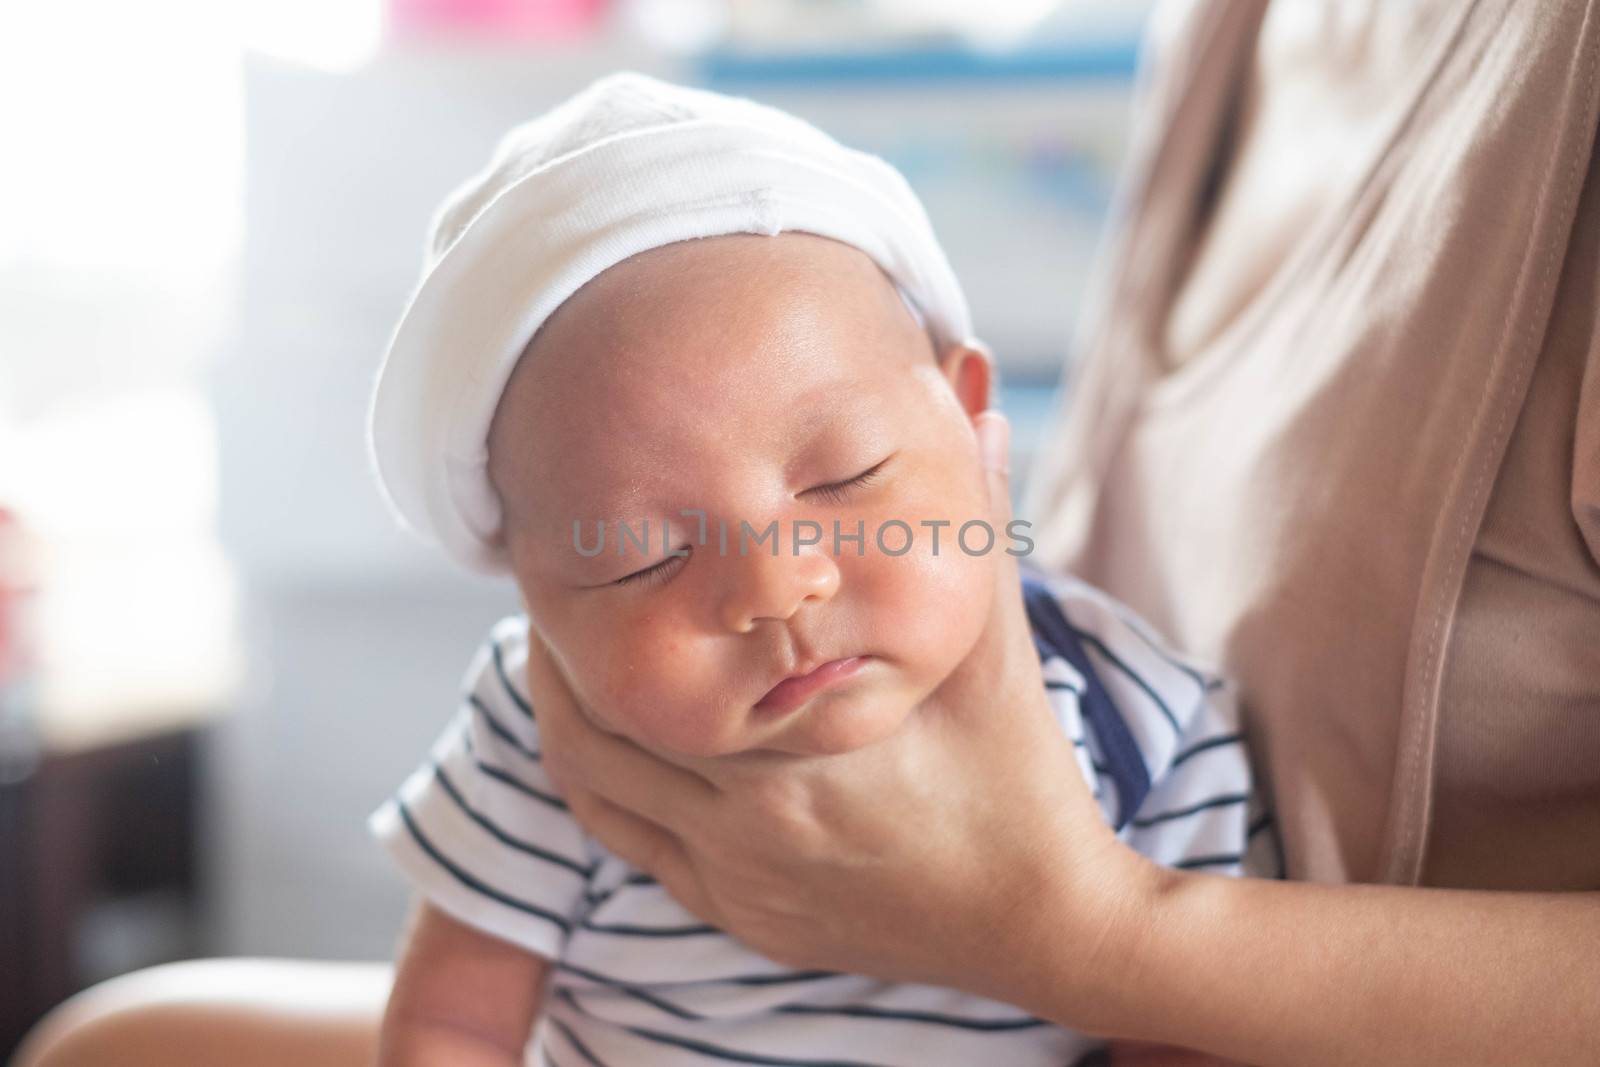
<point>595,896</point>
<point>856,1011</point>
<point>1262,822</point>
<point>505,777</point>
<point>744,980</point>
<point>610,983</point>
<point>1124,762</point>
<point>505,680</point>
<point>780,979</point>
<point>660,1004</point>
<point>1099,646</point>
<point>499,730</point>
<point>1219,860</point>
<point>510,840</point>
<point>1165,656</point>
<point>637,993</point>
<point>863,1011</point>
<point>1193,809</point>
<point>641,995</point>
<point>1206,745</point>
<point>715,1051</point>
<point>471,881</point>
<point>633,930</point>
<point>572,1039</point>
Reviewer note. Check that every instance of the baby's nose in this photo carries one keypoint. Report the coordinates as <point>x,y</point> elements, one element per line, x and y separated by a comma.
<point>763,585</point>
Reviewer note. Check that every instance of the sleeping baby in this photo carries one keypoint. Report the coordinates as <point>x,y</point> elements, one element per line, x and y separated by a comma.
<point>702,382</point>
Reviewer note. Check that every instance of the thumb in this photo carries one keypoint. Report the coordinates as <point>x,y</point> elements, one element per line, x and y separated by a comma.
<point>994,443</point>
<point>994,447</point>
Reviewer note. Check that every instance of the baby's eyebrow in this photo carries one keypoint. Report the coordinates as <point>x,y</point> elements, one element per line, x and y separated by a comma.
<point>600,543</point>
<point>857,416</point>
<point>828,410</point>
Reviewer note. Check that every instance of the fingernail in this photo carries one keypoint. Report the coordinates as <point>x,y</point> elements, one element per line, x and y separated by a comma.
<point>994,441</point>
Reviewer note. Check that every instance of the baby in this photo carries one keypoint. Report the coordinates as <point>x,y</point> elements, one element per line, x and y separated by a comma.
<point>701,381</point>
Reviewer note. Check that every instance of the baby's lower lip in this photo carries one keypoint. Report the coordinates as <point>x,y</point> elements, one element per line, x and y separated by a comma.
<point>793,692</point>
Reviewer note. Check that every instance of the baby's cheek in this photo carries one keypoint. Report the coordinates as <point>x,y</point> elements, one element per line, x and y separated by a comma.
<point>658,691</point>
<point>930,609</point>
<point>628,671</point>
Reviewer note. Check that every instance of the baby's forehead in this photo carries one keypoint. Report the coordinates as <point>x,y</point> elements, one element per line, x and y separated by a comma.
<point>777,392</point>
<point>693,331</point>
<point>688,364</point>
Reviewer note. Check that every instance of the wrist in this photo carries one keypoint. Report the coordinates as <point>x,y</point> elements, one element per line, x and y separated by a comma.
<point>1141,980</point>
<point>1084,946</point>
<point>1112,958</point>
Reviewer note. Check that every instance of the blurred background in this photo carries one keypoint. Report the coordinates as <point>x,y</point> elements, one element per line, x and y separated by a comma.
<point>217,652</point>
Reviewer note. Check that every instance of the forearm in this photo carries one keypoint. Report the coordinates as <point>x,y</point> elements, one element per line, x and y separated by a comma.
<point>1300,974</point>
<point>461,998</point>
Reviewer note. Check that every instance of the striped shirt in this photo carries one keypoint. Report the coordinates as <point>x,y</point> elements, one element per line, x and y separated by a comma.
<point>483,834</point>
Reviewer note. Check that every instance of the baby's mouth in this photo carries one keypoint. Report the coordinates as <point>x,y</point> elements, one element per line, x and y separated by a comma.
<point>795,690</point>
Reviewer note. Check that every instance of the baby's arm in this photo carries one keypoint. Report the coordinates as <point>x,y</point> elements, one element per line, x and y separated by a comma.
<point>461,998</point>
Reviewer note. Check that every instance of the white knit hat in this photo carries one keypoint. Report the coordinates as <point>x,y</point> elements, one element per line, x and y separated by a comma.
<point>627,165</point>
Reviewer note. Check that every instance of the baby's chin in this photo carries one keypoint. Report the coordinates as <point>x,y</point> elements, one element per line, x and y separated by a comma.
<point>833,723</point>
<point>859,713</point>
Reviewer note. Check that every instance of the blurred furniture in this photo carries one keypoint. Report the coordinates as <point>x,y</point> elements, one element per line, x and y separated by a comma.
<point>98,865</point>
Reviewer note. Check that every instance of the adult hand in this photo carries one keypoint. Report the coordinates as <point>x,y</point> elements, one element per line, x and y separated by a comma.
<point>939,854</point>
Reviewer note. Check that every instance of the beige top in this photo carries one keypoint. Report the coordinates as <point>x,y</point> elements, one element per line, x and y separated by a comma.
<point>1337,421</point>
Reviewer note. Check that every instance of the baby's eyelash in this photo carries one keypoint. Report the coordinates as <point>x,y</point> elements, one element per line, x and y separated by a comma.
<point>835,492</point>
<point>652,574</point>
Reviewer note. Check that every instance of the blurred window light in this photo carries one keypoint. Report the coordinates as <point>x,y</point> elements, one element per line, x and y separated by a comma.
<point>120,222</point>
<point>123,135</point>
<point>135,464</point>
<point>137,602</point>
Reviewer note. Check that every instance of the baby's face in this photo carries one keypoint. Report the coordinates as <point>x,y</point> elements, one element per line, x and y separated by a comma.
<point>760,380</point>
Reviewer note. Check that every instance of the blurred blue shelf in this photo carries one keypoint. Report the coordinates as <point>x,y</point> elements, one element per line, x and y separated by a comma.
<point>1089,61</point>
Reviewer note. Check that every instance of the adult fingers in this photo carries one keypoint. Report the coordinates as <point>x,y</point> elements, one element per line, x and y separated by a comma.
<point>994,443</point>
<point>580,755</point>
<point>1011,675</point>
<point>644,845</point>
<point>994,447</point>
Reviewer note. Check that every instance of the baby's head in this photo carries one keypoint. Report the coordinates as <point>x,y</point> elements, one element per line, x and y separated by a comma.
<point>759,380</point>
<point>702,381</point>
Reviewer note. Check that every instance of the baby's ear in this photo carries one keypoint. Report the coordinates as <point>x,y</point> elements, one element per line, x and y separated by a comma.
<point>969,368</point>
